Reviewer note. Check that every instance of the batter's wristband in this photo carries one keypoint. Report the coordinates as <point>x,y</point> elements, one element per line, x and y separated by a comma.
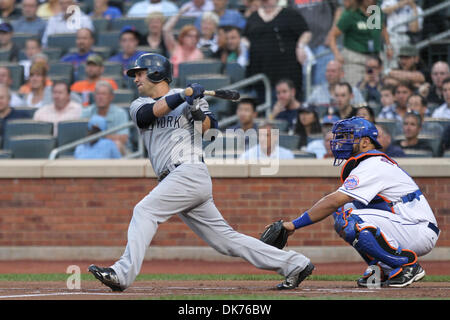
<point>198,115</point>
<point>302,221</point>
<point>174,100</point>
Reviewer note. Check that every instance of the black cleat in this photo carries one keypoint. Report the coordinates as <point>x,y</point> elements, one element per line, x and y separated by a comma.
<point>371,279</point>
<point>107,276</point>
<point>403,277</point>
<point>293,281</point>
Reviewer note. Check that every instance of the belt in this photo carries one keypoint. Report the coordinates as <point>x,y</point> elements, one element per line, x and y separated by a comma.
<point>411,196</point>
<point>433,227</point>
<point>166,172</point>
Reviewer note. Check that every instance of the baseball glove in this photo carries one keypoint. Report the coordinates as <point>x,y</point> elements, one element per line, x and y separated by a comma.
<point>275,235</point>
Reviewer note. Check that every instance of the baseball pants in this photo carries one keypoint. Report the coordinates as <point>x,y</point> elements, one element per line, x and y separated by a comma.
<point>187,192</point>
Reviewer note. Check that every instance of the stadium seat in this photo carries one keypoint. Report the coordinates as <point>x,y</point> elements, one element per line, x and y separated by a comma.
<point>69,131</point>
<point>16,71</point>
<point>112,69</point>
<point>184,20</point>
<point>5,154</point>
<point>302,154</point>
<point>281,125</point>
<point>108,39</point>
<point>414,153</point>
<point>433,141</point>
<point>53,54</point>
<point>138,23</point>
<point>235,71</point>
<point>4,55</point>
<point>123,96</point>
<point>393,126</point>
<point>64,41</point>
<point>29,110</point>
<point>209,81</point>
<point>20,38</point>
<point>206,66</point>
<point>220,107</point>
<point>289,141</point>
<point>20,127</point>
<point>32,146</point>
<point>61,69</point>
<point>100,24</point>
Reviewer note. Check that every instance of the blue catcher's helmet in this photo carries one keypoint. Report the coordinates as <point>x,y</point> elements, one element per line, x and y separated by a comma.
<point>158,67</point>
<point>346,131</point>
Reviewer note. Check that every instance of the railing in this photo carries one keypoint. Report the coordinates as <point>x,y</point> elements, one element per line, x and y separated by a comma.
<point>139,153</point>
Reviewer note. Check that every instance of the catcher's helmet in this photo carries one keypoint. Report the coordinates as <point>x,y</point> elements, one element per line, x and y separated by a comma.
<point>158,67</point>
<point>346,131</point>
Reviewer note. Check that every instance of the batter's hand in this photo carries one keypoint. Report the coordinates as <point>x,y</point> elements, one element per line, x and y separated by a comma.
<point>197,93</point>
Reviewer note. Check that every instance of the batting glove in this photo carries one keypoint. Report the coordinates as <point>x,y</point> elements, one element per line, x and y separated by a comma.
<point>198,93</point>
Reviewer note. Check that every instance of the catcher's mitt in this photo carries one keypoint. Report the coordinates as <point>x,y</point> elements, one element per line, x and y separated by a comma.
<point>275,235</point>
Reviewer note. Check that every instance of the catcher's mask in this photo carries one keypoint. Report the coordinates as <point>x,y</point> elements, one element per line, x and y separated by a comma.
<point>347,133</point>
<point>158,67</point>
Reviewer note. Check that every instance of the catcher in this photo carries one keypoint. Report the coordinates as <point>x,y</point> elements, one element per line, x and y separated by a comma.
<point>389,221</point>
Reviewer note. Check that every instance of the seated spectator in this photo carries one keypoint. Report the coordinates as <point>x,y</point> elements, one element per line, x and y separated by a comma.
<point>227,17</point>
<point>102,148</point>
<point>387,99</point>
<point>61,109</point>
<point>40,93</point>
<point>8,10</point>
<point>307,124</point>
<point>63,21</point>
<point>433,93</point>
<point>402,93</point>
<point>412,124</point>
<point>94,71</point>
<point>184,48</point>
<point>443,111</point>
<point>29,22</point>
<point>286,107</point>
<point>208,32</point>
<point>366,112</point>
<point>371,84</point>
<point>408,67</point>
<point>103,10</point>
<point>114,115</point>
<point>246,113</point>
<point>155,40</point>
<point>418,104</point>
<point>32,47</point>
<point>321,147</point>
<point>343,94</point>
<point>6,112</point>
<point>196,8</point>
<point>129,42</point>
<point>6,80</point>
<point>40,58</point>
<point>323,95</point>
<point>144,8</point>
<point>84,43</point>
<point>267,147</point>
<point>6,43</point>
<point>385,139</point>
<point>234,50</point>
<point>49,9</point>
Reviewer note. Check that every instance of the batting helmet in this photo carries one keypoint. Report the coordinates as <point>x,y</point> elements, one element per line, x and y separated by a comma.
<point>347,131</point>
<point>158,67</point>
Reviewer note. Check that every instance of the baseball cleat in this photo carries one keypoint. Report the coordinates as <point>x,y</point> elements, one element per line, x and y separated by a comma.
<point>403,277</point>
<point>371,280</point>
<point>292,282</point>
<point>107,276</point>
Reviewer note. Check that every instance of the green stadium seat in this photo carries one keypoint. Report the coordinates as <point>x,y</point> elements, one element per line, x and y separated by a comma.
<point>69,131</point>
<point>289,141</point>
<point>123,96</point>
<point>4,55</point>
<point>206,66</point>
<point>108,39</point>
<point>16,71</point>
<point>138,23</point>
<point>235,71</point>
<point>415,153</point>
<point>32,146</point>
<point>64,41</point>
<point>20,127</point>
<point>20,38</point>
<point>61,70</point>
<point>298,154</point>
<point>101,24</point>
<point>209,81</point>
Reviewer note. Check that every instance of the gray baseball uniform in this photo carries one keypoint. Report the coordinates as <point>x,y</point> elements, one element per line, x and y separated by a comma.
<point>187,192</point>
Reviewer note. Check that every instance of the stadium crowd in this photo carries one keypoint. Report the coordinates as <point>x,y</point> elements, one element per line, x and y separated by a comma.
<point>62,60</point>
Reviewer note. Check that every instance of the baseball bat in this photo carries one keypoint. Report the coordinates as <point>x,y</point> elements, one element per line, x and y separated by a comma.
<point>222,94</point>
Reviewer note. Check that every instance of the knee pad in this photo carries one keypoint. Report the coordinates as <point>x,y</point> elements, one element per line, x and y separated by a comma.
<point>371,242</point>
<point>345,225</point>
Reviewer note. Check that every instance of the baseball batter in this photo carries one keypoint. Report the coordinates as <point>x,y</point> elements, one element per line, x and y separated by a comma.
<point>167,119</point>
<point>389,222</point>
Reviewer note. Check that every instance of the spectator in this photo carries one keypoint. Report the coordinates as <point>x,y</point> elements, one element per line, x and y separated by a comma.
<point>287,33</point>
<point>103,10</point>
<point>433,93</point>
<point>307,124</point>
<point>366,112</point>
<point>321,147</point>
<point>144,8</point>
<point>6,43</point>
<point>371,84</point>
<point>68,20</point>
<point>398,11</point>
<point>267,147</point>
<point>37,58</point>
<point>29,22</point>
<point>196,8</point>
<point>408,67</point>
<point>5,79</point>
<point>286,107</point>
<point>129,42</point>
<point>94,71</point>
<point>184,48</point>
<point>49,9</point>
<point>6,112</point>
<point>114,115</point>
<point>319,17</point>
<point>387,99</point>
<point>61,109</point>
<point>84,42</point>
<point>227,17</point>
<point>402,93</point>
<point>323,95</point>
<point>360,39</point>
<point>412,124</point>
<point>8,10</point>
<point>343,93</point>
<point>102,148</point>
<point>40,94</point>
<point>246,113</point>
<point>235,50</point>
<point>446,139</point>
<point>418,104</point>
<point>32,47</point>
<point>250,7</point>
<point>385,139</point>
<point>208,32</point>
<point>155,40</point>
<point>443,111</point>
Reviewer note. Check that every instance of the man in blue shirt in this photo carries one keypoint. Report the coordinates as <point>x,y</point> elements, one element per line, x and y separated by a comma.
<point>102,148</point>
<point>84,43</point>
<point>30,22</point>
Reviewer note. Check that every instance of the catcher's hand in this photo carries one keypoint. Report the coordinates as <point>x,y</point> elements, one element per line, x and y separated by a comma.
<point>276,235</point>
